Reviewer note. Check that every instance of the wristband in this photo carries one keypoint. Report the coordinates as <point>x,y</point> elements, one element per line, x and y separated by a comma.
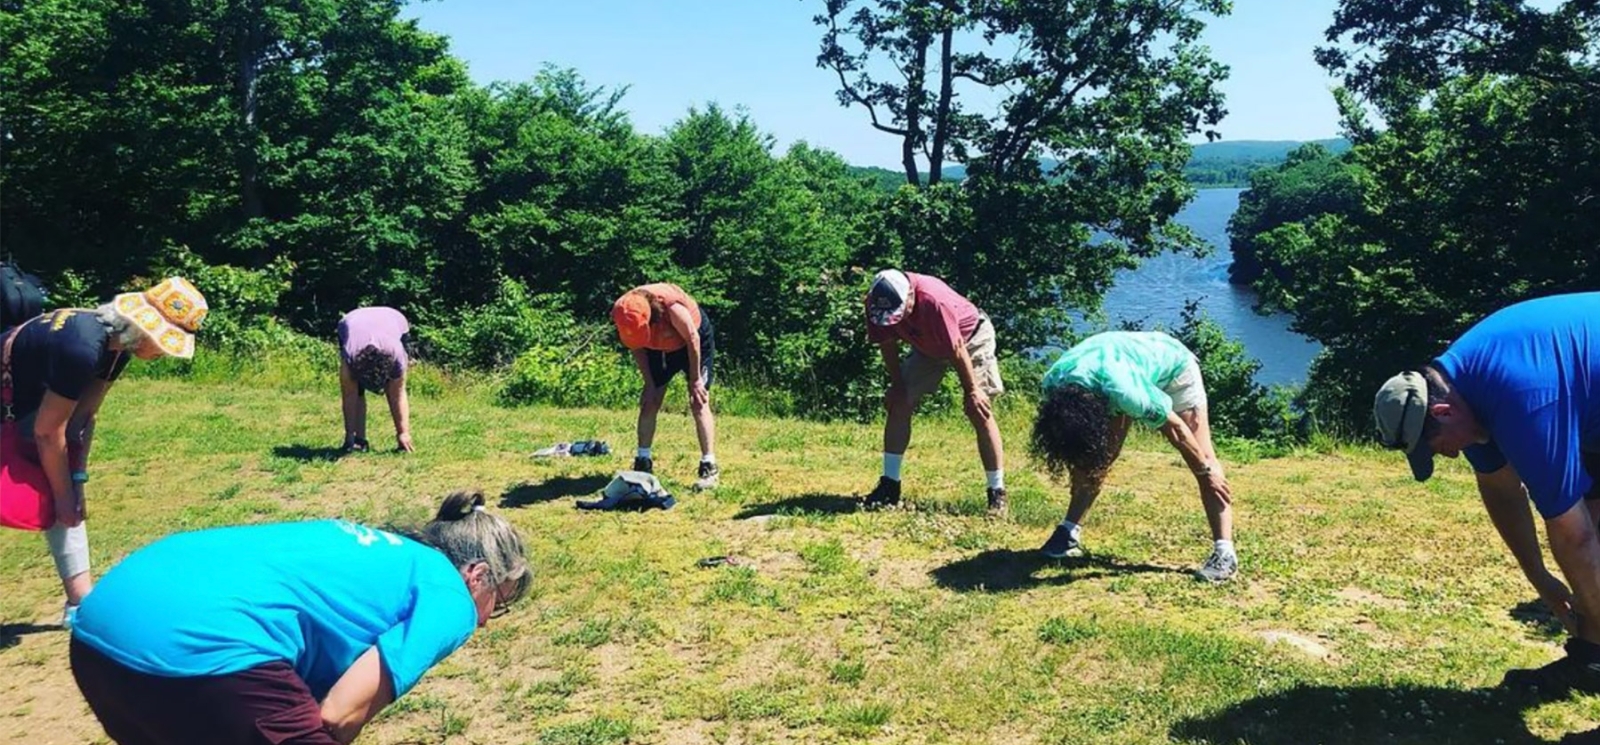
<point>1204,470</point>
<point>80,477</point>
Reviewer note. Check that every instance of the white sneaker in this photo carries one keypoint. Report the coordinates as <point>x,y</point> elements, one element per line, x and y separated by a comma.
<point>1218,567</point>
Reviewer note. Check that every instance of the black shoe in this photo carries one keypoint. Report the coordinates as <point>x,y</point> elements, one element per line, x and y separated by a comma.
<point>998,502</point>
<point>886,494</point>
<point>709,474</point>
<point>641,463</point>
<point>1062,545</point>
<point>356,445</point>
<point>1578,671</point>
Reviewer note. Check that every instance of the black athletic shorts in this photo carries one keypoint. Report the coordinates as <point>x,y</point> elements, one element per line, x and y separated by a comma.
<point>664,365</point>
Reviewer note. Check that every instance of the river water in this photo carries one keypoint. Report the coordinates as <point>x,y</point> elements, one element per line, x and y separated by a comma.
<point>1156,291</point>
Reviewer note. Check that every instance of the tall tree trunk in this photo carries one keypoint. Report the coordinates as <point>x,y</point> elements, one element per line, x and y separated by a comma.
<point>251,41</point>
<point>916,92</point>
<point>941,120</point>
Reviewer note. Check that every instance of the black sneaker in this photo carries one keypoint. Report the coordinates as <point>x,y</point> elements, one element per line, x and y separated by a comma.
<point>886,494</point>
<point>356,445</point>
<point>1062,545</point>
<point>1578,671</point>
<point>998,503</point>
<point>709,474</point>
<point>641,463</point>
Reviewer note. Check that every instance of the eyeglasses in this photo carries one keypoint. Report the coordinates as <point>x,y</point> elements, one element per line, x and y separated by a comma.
<point>502,605</point>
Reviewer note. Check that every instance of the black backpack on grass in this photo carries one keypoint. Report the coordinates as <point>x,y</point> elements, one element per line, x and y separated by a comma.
<point>21,295</point>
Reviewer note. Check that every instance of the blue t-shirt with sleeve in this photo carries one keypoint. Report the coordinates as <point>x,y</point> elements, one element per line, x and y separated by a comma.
<point>1130,368</point>
<point>1531,375</point>
<point>316,595</point>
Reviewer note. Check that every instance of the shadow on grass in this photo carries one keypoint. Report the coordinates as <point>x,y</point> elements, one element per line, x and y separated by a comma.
<point>1004,570</point>
<point>554,488</point>
<point>11,634</point>
<point>1360,715</point>
<point>815,504</point>
<point>308,453</point>
<point>1538,618</point>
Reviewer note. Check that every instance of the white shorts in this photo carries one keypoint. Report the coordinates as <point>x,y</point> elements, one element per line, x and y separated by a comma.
<point>1188,390</point>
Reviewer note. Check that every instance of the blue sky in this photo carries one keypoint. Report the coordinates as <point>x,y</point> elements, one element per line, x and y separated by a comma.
<point>760,54</point>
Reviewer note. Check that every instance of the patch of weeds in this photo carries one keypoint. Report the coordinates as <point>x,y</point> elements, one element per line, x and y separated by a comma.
<point>827,557</point>
<point>452,724</point>
<point>591,633</point>
<point>1058,630</point>
<point>596,731</point>
<point>228,492</point>
<point>858,720</point>
<point>849,672</point>
<point>571,680</point>
<point>741,585</point>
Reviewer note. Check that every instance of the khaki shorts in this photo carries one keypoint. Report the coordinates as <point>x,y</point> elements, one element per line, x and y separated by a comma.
<point>1188,390</point>
<point>923,373</point>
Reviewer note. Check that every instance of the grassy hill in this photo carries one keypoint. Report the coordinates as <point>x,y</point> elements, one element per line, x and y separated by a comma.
<point>1213,164</point>
<point>1371,608</point>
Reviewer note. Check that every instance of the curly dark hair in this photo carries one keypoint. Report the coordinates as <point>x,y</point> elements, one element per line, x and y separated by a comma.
<point>1072,431</point>
<point>373,368</point>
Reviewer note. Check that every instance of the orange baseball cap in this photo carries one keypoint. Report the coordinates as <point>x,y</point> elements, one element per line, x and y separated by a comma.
<point>631,314</point>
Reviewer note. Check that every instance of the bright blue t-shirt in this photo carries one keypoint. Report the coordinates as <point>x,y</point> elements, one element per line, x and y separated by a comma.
<point>316,595</point>
<point>1531,375</point>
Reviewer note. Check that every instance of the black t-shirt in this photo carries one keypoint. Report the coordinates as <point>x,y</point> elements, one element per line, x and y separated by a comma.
<point>60,351</point>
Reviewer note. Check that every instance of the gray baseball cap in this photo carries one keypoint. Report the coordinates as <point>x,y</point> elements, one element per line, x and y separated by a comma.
<point>1400,409</point>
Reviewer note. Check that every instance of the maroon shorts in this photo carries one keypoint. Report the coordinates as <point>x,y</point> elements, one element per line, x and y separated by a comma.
<point>264,705</point>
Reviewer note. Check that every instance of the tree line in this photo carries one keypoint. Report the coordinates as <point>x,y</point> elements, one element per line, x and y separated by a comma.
<point>1472,184</point>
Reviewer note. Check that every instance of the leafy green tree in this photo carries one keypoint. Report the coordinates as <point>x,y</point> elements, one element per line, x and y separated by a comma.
<point>1109,90</point>
<point>1475,203</point>
<point>1311,182</point>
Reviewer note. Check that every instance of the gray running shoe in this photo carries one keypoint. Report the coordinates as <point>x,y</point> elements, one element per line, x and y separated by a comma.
<point>1218,567</point>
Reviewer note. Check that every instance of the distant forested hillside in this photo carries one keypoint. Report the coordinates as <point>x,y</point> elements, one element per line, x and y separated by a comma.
<point>1214,164</point>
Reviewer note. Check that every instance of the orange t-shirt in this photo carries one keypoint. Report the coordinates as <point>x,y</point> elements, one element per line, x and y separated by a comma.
<point>663,337</point>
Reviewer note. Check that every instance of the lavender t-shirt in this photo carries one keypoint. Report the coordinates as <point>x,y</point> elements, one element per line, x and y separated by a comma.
<point>378,327</point>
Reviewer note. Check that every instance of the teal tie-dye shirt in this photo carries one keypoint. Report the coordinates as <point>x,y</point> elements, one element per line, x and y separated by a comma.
<point>1130,368</point>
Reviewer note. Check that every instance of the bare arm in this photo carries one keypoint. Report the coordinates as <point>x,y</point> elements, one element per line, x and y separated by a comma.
<point>890,349</point>
<point>50,435</point>
<point>1209,476</point>
<point>357,696</point>
<point>683,323</point>
<point>1572,542</point>
<point>80,428</point>
<point>964,371</point>
<point>1506,500</point>
<point>400,409</point>
<point>641,359</point>
<point>1184,440</point>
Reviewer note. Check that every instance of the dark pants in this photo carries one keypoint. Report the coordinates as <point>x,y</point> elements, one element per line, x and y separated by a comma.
<point>664,365</point>
<point>266,705</point>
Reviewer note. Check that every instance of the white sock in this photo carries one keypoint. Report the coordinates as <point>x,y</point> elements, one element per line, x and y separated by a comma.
<point>708,458</point>
<point>644,452</point>
<point>891,465</point>
<point>1073,529</point>
<point>1224,547</point>
<point>997,479</point>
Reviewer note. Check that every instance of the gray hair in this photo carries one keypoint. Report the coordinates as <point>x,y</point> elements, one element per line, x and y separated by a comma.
<point>121,327</point>
<point>466,534</point>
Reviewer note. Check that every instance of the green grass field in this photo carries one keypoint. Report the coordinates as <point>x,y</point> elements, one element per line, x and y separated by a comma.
<point>1370,608</point>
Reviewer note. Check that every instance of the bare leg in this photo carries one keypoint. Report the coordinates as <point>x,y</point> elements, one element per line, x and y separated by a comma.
<point>990,450</point>
<point>705,426</point>
<point>1085,485</point>
<point>649,406</point>
<point>354,404</point>
<point>897,427</point>
<point>1219,514</point>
